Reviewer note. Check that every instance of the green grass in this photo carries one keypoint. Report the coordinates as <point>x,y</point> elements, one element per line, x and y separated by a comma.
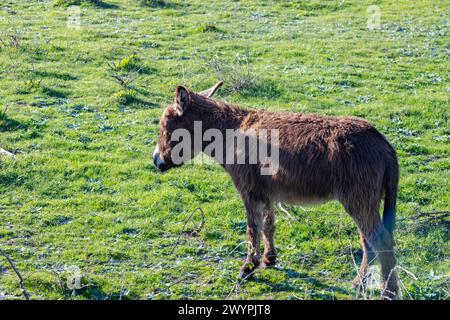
<point>83,191</point>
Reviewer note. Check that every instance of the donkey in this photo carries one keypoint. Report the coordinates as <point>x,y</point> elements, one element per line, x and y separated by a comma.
<point>321,158</point>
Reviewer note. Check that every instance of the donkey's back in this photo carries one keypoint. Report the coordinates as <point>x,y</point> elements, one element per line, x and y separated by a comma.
<point>323,157</point>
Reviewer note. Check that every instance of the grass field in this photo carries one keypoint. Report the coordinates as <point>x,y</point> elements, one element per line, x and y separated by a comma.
<point>79,107</point>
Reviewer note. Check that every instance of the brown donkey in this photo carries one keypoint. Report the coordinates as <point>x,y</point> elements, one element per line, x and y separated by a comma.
<point>320,158</point>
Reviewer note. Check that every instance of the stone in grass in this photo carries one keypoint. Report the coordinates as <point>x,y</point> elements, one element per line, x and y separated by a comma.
<point>6,153</point>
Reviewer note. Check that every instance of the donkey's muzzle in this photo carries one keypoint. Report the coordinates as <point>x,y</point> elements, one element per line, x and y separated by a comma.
<point>161,166</point>
<point>159,163</point>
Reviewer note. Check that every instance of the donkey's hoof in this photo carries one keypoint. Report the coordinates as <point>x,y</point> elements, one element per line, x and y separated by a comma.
<point>268,263</point>
<point>389,295</point>
<point>361,281</point>
<point>247,271</point>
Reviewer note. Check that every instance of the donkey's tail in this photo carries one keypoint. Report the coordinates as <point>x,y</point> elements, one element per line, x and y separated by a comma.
<point>391,176</point>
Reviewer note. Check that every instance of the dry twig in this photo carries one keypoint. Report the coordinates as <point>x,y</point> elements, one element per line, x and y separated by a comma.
<point>195,231</point>
<point>429,216</point>
<point>21,281</point>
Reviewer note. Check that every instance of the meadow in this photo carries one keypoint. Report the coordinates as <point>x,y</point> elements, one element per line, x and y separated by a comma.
<point>84,214</point>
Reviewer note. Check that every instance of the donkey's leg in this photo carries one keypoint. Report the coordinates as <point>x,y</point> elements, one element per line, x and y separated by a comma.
<point>383,243</point>
<point>367,259</point>
<point>268,230</point>
<point>254,224</point>
<point>367,218</point>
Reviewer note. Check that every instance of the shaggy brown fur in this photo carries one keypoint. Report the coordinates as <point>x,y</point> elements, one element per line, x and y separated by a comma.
<point>321,158</point>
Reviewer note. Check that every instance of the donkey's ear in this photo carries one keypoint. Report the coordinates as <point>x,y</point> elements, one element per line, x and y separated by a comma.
<point>210,92</point>
<point>181,100</point>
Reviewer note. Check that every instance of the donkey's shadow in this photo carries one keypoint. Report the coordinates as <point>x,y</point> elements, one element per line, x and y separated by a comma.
<point>288,286</point>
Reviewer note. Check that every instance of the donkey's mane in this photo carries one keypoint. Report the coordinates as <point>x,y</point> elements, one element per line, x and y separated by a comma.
<point>216,110</point>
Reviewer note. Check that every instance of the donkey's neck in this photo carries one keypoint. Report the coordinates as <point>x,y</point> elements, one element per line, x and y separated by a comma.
<point>217,114</point>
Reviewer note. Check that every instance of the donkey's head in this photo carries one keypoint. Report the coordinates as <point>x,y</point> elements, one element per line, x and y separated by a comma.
<point>178,120</point>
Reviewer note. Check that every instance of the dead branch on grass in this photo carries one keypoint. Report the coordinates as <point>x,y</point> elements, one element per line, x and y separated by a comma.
<point>429,216</point>
<point>19,275</point>
<point>196,230</point>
